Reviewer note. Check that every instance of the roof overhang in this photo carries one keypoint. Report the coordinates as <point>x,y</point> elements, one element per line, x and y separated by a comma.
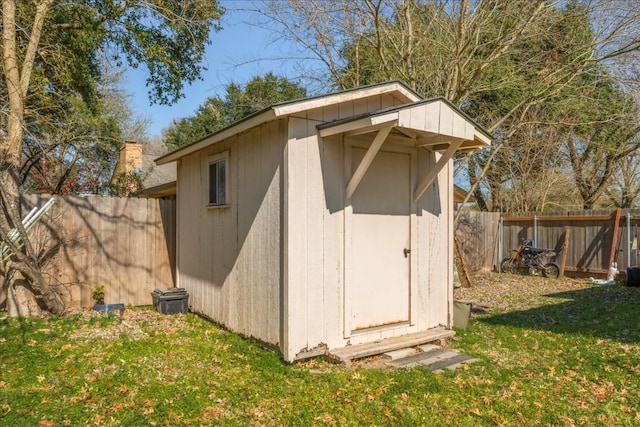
<point>459,194</point>
<point>163,190</point>
<point>433,124</point>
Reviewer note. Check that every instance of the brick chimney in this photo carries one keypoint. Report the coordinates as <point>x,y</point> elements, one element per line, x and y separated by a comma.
<point>130,158</point>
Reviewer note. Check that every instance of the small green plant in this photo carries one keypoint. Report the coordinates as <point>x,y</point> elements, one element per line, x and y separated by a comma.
<point>98,294</point>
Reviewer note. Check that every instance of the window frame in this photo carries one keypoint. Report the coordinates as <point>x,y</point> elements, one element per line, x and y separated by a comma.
<point>216,159</point>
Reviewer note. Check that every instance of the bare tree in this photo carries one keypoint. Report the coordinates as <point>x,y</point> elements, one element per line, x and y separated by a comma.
<point>624,191</point>
<point>499,60</point>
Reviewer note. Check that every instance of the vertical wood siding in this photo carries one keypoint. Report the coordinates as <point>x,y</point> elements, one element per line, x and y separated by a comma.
<point>230,256</point>
<point>271,265</point>
<point>314,253</point>
<point>435,228</point>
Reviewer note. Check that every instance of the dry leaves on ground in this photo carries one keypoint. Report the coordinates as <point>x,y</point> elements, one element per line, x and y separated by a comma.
<point>508,292</point>
<point>134,324</point>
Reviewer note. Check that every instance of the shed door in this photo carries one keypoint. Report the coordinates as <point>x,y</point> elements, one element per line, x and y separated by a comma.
<point>378,238</point>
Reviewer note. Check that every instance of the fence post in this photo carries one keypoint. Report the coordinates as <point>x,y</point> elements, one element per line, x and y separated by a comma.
<point>614,240</point>
<point>629,242</point>
<point>565,251</point>
<point>500,242</point>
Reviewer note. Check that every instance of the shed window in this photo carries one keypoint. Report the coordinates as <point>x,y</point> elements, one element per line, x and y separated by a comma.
<point>217,167</point>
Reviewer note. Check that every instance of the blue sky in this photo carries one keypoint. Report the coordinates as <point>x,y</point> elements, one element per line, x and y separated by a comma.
<point>232,57</point>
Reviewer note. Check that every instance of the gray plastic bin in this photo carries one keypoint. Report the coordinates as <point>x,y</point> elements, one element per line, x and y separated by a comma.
<point>170,301</point>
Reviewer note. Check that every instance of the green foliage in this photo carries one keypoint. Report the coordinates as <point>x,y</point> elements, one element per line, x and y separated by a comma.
<point>238,103</point>
<point>73,151</point>
<point>563,359</point>
<point>73,125</point>
<point>570,136</point>
<point>98,294</point>
<point>124,184</point>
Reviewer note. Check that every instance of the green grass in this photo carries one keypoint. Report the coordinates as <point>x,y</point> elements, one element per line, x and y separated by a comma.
<point>571,359</point>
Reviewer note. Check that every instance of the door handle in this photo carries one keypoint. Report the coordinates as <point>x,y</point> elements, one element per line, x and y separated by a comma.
<point>406,252</point>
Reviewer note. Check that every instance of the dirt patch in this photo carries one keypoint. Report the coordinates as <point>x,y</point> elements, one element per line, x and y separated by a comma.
<point>509,292</point>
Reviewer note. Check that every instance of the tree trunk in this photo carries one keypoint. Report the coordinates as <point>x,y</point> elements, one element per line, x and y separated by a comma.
<point>17,75</point>
<point>23,257</point>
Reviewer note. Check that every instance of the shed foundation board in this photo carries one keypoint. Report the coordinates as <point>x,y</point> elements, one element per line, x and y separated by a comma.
<point>348,353</point>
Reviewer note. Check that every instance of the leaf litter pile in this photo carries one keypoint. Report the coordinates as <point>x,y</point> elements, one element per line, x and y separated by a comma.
<point>133,324</point>
<point>551,352</point>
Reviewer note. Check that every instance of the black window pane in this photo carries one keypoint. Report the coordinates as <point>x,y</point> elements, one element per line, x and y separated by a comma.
<point>222,197</point>
<point>213,183</point>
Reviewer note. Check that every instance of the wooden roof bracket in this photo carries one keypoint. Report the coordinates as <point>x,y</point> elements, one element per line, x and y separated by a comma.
<point>433,173</point>
<point>366,161</point>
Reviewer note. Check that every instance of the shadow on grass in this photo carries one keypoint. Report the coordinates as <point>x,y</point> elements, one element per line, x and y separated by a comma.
<point>609,313</point>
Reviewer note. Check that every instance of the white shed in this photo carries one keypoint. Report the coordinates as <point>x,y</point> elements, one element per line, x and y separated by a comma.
<point>326,221</point>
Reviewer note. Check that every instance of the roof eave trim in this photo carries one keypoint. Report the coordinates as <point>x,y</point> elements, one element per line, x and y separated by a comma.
<point>330,99</point>
<point>239,127</point>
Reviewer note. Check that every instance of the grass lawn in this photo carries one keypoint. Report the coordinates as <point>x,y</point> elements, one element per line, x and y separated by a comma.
<point>552,352</point>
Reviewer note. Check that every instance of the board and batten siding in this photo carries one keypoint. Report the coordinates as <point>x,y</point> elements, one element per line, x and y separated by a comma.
<point>230,257</point>
<point>435,240</point>
<point>271,265</point>
<point>314,183</point>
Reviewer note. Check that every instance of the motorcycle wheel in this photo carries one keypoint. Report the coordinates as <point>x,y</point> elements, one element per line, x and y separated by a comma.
<point>508,265</point>
<point>551,269</point>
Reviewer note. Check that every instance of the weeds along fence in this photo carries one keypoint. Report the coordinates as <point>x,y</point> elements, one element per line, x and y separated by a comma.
<point>587,242</point>
<point>125,244</point>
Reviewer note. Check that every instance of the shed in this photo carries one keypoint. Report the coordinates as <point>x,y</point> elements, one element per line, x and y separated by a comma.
<point>326,221</point>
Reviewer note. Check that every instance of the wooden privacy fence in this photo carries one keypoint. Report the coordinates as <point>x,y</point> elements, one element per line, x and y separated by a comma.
<point>477,236</point>
<point>594,239</point>
<point>125,244</point>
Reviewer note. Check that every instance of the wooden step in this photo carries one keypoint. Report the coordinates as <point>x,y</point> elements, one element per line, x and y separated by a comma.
<point>351,352</point>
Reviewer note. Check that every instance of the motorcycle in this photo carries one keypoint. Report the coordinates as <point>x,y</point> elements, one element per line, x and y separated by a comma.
<point>526,257</point>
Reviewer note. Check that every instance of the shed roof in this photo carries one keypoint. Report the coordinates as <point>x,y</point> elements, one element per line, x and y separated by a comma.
<point>395,88</point>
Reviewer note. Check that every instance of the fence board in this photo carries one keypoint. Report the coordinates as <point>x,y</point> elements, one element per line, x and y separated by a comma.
<point>125,244</point>
<point>477,233</point>
<point>591,238</point>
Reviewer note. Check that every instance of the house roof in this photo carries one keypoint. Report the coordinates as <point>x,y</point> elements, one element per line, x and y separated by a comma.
<point>156,174</point>
<point>395,88</point>
<point>460,193</point>
<point>167,189</point>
